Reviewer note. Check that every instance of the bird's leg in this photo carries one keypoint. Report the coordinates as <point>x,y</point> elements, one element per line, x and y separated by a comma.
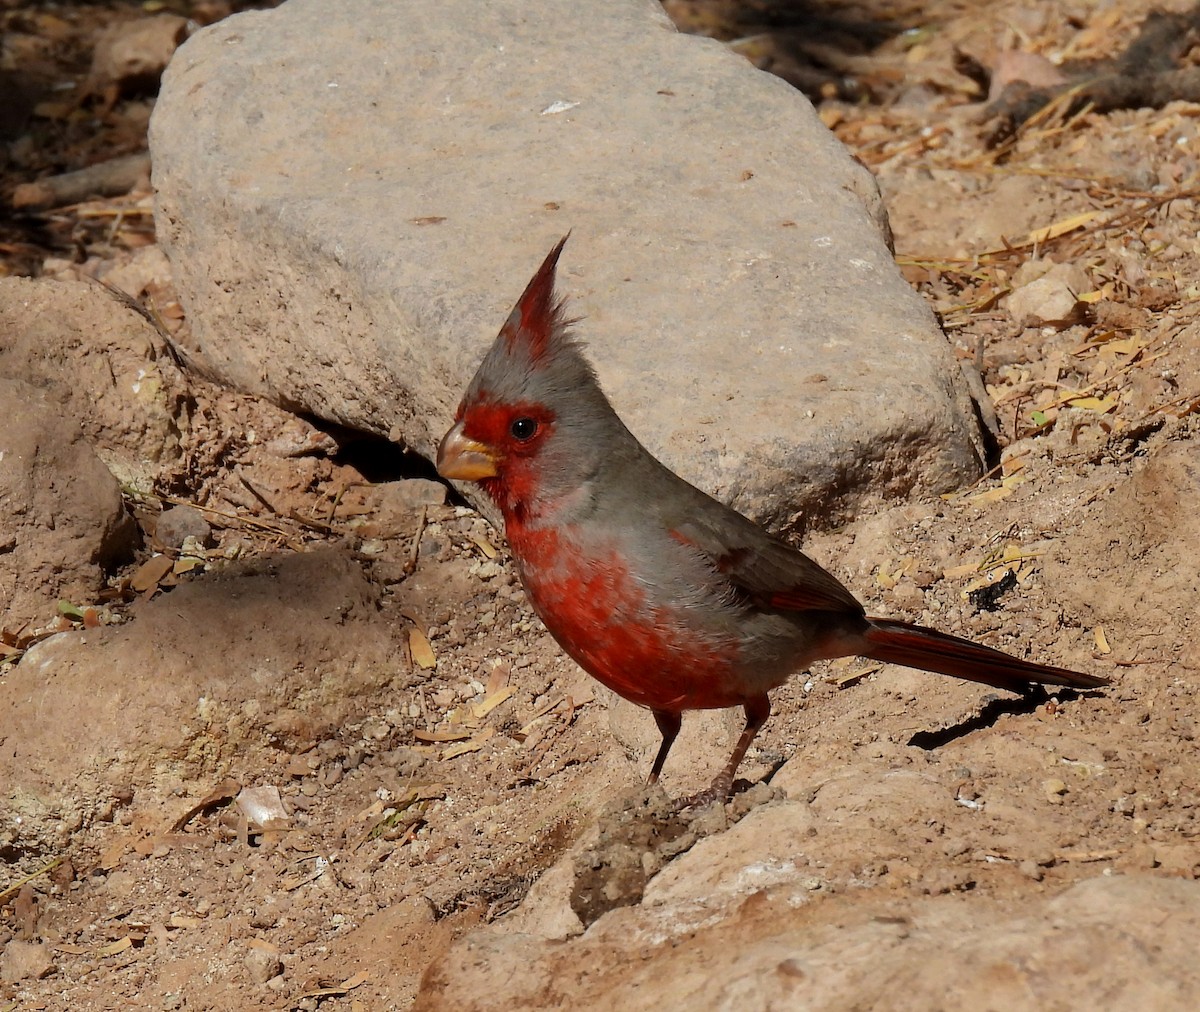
<point>757,712</point>
<point>668,726</point>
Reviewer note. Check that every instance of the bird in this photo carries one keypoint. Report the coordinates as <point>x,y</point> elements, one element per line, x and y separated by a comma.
<point>667,596</point>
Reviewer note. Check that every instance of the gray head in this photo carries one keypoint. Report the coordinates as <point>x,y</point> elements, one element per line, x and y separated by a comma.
<point>533,422</point>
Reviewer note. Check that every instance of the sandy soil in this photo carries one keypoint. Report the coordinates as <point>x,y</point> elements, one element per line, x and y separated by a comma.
<point>294,766</point>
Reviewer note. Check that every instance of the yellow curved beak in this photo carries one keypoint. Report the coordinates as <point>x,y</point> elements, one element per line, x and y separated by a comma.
<point>463,458</point>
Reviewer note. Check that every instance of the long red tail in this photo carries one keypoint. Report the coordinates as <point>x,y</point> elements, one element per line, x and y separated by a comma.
<point>917,647</point>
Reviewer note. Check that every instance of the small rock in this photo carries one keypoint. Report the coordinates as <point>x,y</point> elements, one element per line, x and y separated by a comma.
<point>265,916</point>
<point>1016,66</point>
<point>749,799</point>
<point>26,961</point>
<point>940,881</point>
<point>908,597</point>
<point>411,494</point>
<point>487,570</point>
<point>299,438</point>
<point>1051,300</point>
<point>178,523</point>
<point>953,848</point>
<point>709,820</point>
<point>262,965</point>
<point>546,910</point>
<point>131,56</point>
<point>1054,789</point>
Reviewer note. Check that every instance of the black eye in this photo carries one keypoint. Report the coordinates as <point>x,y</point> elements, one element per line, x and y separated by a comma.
<point>523,428</point>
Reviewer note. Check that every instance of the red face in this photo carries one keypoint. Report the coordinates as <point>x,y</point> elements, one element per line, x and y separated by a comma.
<point>491,443</point>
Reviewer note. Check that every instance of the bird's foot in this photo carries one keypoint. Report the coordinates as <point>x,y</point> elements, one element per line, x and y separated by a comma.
<point>717,792</point>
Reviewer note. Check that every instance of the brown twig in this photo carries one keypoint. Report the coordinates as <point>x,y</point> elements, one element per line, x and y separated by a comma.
<point>104,179</point>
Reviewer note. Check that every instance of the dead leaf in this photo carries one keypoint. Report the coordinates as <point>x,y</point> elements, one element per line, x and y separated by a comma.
<point>1101,404</point>
<point>1048,232</point>
<point>474,745</point>
<point>1123,346</point>
<point>492,701</point>
<point>498,677</point>
<point>150,573</point>
<point>958,572</point>
<point>347,985</point>
<point>186,563</point>
<point>542,710</point>
<point>454,751</point>
<point>25,912</point>
<point>118,946</point>
<point>222,794</point>
<point>440,736</point>
<point>1095,296</point>
<point>112,855</point>
<point>992,495</point>
<point>422,653</point>
<point>179,921</point>
<point>485,546</point>
<point>845,681</point>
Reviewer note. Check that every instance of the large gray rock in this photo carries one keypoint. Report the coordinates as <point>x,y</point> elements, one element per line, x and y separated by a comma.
<point>354,194</point>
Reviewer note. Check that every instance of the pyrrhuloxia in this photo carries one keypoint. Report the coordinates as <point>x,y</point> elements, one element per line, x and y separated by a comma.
<point>668,597</point>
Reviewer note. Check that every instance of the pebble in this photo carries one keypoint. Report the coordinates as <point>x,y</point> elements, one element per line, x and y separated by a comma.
<point>1031,870</point>
<point>1052,299</point>
<point>953,848</point>
<point>1054,790</point>
<point>22,960</point>
<point>262,965</point>
<point>412,493</point>
<point>264,917</point>
<point>177,524</point>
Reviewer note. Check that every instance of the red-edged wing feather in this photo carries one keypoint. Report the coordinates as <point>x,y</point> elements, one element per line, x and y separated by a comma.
<point>770,572</point>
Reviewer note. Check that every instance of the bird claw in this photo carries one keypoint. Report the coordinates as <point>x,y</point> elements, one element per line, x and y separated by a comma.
<point>717,793</point>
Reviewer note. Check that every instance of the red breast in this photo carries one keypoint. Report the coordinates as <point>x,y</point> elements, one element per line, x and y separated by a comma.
<point>594,607</point>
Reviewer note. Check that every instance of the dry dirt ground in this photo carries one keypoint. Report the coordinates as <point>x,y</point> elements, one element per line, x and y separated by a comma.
<point>308,733</point>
